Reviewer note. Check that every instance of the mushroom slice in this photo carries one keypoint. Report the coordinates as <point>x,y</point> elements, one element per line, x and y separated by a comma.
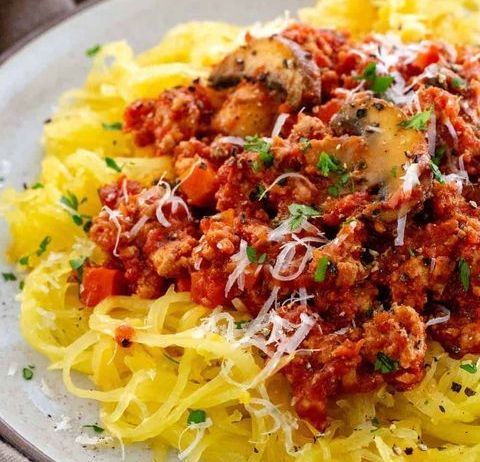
<point>392,155</point>
<point>276,61</point>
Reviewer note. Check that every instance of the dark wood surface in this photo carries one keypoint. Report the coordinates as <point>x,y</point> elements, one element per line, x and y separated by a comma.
<point>20,17</point>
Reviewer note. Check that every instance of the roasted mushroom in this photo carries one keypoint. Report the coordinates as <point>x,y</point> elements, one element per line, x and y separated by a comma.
<point>388,148</point>
<point>278,63</point>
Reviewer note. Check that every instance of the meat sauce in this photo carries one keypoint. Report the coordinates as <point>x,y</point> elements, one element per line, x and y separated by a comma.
<point>360,209</point>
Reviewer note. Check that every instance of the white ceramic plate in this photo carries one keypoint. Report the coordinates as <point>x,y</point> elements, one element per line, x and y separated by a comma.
<point>31,80</point>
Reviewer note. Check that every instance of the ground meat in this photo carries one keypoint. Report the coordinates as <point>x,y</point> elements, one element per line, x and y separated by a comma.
<point>295,223</point>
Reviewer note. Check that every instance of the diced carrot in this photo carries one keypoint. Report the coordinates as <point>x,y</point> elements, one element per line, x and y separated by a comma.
<point>200,184</point>
<point>124,335</point>
<point>430,56</point>
<point>99,283</point>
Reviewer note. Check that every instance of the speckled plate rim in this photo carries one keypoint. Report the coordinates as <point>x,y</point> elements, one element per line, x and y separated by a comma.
<point>12,437</point>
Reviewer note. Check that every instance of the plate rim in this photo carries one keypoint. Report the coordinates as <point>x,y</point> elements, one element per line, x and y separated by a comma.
<point>7,433</point>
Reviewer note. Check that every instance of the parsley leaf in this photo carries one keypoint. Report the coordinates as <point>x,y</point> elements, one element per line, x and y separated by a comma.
<point>300,212</point>
<point>464,273</point>
<point>24,260</point>
<point>240,324</point>
<point>42,247</point>
<point>305,144</point>
<point>385,364</point>
<point>321,270</point>
<point>27,373</point>
<point>418,121</point>
<point>112,164</point>
<point>439,153</point>
<point>70,200</point>
<point>77,265</point>
<point>459,83</point>
<point>93,51</point>
<point>394,170</point>
<point>437,174</point>
<point>114,126</point>
<point>95,428</point>
<point>256,144</point>
<point>327,163</point>
<point>9,277</point>
<point>471,368</point>
<point>252,255</point>
<point>377,83</point>
<point>196,416</point>
<point>37,186</point>
<point>21,285</point>
<point>72,203</point>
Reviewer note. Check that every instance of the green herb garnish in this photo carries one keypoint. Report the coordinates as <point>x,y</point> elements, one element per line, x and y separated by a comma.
<point>252,256</point>
<point>377,83</point>
<point>385,364</point>
<point>112,164</point>
<point>9,277</point>
<point>27,373</point>
<point>95,428</point>
<point>418,121</point>
<point>305,144</point>
<point>394,170</point>
<point>439,153</point>
<point>321,270</point>
<point>24,260</point>
<point>93,51</point>
<point>115,126</point>
<point>327,163</point>
<point>42,247</point>
<point>300,212</point>
<point>471,368</point>
<point>256,144</point>
<point>464,273</point>
<point>77,265</point>
<point>437,174</point>
<point>37,186</point>
<point>196,416</point>
<point>459,83</point>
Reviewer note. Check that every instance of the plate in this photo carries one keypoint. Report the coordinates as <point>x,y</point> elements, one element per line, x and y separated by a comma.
<point>35,415</point>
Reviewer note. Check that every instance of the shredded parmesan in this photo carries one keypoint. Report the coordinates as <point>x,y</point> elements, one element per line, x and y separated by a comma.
<point>439,319</point>
<point>238,274</point>
<point>113,216</point>
<point>232,140</point>
<point>411,177</point>
<point>200,429</point>
<point>279,123</point>
<point>401,223</point>
<point>283,177</point>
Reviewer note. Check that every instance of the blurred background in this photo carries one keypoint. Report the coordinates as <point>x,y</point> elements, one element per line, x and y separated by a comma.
<point>19,18</point>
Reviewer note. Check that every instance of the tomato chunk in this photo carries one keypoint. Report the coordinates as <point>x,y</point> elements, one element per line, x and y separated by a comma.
<point>208,288</point>
<point>99,283</point>
<point>200,184</point>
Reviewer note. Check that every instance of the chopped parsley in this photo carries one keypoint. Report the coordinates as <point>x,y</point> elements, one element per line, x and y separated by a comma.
<point>471,368</point>
<point>95,428</point>
<point>321,270</point>
<point>21,285</point>
<point>394,170</point>
<point>437,174</point>
<point>300,212</point>
<point>418,121</point>
<point>459,83</point>
<point>305,144</point>
<point>9,277</point>
<point>327,163</point>
<point>240,324</point>
<point>257,144</point>
<point>112,127</point>
<point>196,416</point>
<point>439,153</point>
<point>93,51</point>
<point>77,265</point>
<point>112,164</point>
<point>464,273</point>
<point>375,422</point>
<point>27,373</point>
<point>37,186</point>
<point>335,189</point>
<point>71,201</point>
<point>42,247</point>
<point>385,364</point>
<point>252,255</point>
<point>377,83</point>
<point>24,260</point>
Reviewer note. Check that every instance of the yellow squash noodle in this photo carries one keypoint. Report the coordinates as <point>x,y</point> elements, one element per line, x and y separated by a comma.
<point>185,357</point>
